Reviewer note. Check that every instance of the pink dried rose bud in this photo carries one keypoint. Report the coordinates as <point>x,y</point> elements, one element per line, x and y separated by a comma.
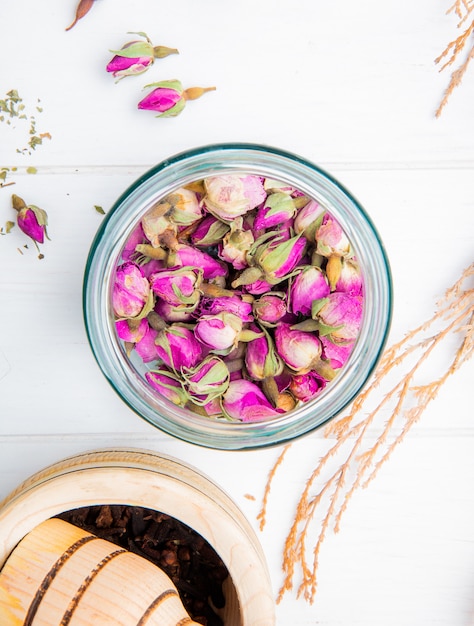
<point>244,401</point>
<point>261,359</point>
<point>135,57</point>
<point>270,308</point>
<point>207,381</point>
<point>278,207</point>
<point>235,245</point>
<point>305,387</point>
<point>300,350</point>
<point>350,277</point>
<point>339,316</point>
<point>131,295</point>
<point>178,286</point>
<point>168,98</point>
<point>178,347</point>
<point>230,304</point>
<point>219,332</point>
<point>131,330</point>
<point>310,284</point>
<point>231,195</point>
<point>209,232</point>
<point>188,256</point>
<point>31,219</point>
<point>335,353</point>
<point>331,239</point>
<point>257,287</point>
<point>146,348</point>
<point>168,385</point>
<point>308,219</point>
<point>271,185</point>
<point>184,207</point>
<point>171,313</point>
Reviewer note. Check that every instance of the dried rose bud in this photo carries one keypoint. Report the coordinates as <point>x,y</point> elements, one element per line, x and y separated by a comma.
<point>308,219</point>
<point>350,278</point>
<point>136,238</point>
<point>244,401</point>
<point>310,284</point>
<point>131,296</point>
<point>31,219</point>
<point>270,308</point>
<point>257,287</point>
<point>231,195</point>
<point>305,386</point>
<point>300,350</point>
<point>219,332</point>
<point>271,185</point>
<point>230,304</point>
<point>339,316</point>
<point>207,381</point>
<point>278,207</point>
<point>235,245</point>
<point>168,385</point>
<point>188,256</point>
<point>331,239</point>
<point>131,330</point>
<point>170,313</point>
<point>178,286</point>
<point>168,97</point>
<point>135,57</point>
<point>184,208</point>
<point>146,348</point>
<point>209,232</point>
<point>337,354</point>
<point>261,359</point>
<point>178,347</point>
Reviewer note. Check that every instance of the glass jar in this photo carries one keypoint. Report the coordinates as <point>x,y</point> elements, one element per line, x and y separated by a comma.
<point>127,375</point>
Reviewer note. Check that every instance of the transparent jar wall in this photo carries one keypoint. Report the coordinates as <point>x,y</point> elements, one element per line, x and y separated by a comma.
<point>183,169</point>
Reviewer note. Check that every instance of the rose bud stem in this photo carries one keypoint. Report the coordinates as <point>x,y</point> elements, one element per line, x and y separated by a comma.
<point>214,291</point>
<point>270,389</point>
<point>18,203</point>
<point>153,253</point>
<point>193,93</point>
<point>160,52</point>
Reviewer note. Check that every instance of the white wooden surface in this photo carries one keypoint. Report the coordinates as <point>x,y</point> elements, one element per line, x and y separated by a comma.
<point>349,85</point>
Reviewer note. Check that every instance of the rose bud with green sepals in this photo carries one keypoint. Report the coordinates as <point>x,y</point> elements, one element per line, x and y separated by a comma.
<point>135,57</point>
<point>310,284</point>
<point>209,232</point>
<point>339,316</point>
<point>300,350</point>
<point>261,359</point>
<point>257,287</point>
<point>168,98</point>
<point>131,330</point>
<point>331,239</point>
<point>170,313</point>
<point>271,186</point>
<point>31,219</point>
<point>336,353</point>
<point>230,304</point>
<point>168,385</point>
<point>270,308</point>
<point>232,195</point>
<point>178,347</point>
<point>157,225</point>
<point>350,278</point>
<point>244,401</point>
<point>184,207</point>
<point>308,219</point>
<point>188,256</point>
<point>278,207</point>
<point>131,295</point>
<point>219,332</point>
<point>235,245</point>
<point>177,286</point>
<point>305,387</point>
<point>207,381</point>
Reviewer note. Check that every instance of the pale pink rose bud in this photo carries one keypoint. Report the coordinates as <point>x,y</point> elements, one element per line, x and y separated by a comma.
<point>131,296</point>
<point>331,239</point>
<point>305,387</point>
<point>229,196</point>
<point>168,385</point>
<point>278,258</point>
<point>209,232</point>
<point>177,347</point>
<point>219,332</point>
<point>177,286</point>
<point>184,207</point>
<point>278,207</point>
<point>189,256</point>
<point>235,245</point>
<point>135,57</point>
<point>350,277</point>
<point>206,381</point>
<point>270,308</point>
<point>310,284</point>
<point>271,185</point>
<point>131,330</point>
<point>157,225</point>
<point>171,313</point>
<point>336,353</point>
<point>340,316</point>
<point>230,304</point>
<point>244,401</point>
<point>299,350</point>
<point>261,360</point>
<point>257,287</point>
<point>308,219</point>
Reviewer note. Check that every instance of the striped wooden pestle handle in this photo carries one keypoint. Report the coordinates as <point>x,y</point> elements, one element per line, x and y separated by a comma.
<point>60,575</point>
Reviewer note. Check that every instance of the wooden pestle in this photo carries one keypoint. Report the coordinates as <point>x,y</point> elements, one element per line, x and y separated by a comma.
<point>61,575</point>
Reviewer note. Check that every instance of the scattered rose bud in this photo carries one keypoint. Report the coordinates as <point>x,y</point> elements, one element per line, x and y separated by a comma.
<point>132,296</point>
<point>168,98</point>
<point>230,196</point>
<point>310,284</point>
<point>31,219</point>
<point>135,57</point>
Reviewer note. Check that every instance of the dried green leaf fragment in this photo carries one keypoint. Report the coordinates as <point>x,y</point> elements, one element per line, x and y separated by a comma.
<point>99,209</point>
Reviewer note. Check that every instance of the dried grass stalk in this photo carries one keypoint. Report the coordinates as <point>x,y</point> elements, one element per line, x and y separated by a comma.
<point>391,404</point>
<point>463,10</point>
